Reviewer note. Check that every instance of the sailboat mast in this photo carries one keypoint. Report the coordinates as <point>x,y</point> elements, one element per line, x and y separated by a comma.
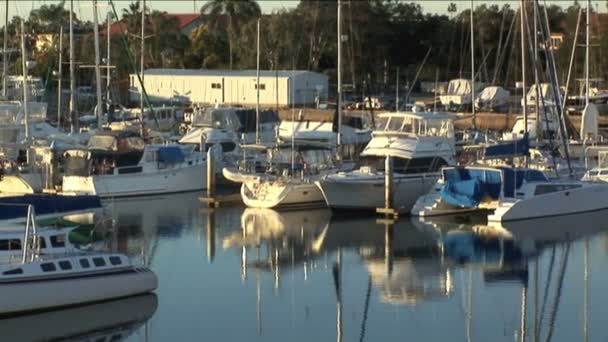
<point>25,92</point>
<point>257,87</point>
<point>523,65</point>
<point>536,78</point>
<point>72,77</point>
<point>472,68</point>
<point>4,61</point>
<point>60,76</point>
<point>339,99</point>
<point>97,65</point>
<point>108,81</point>
<point>141,65</point>
<point>587,42</point>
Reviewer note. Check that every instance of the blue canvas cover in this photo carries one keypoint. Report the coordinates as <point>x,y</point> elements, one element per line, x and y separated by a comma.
<point>466,188</point>
<point>519,147</point>
<point>170,155</point>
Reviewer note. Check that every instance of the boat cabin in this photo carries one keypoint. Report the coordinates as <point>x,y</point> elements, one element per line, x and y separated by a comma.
<point>420,124</point>
<point>467,187</point>
<point>105,151</point>
<point>240,120</point>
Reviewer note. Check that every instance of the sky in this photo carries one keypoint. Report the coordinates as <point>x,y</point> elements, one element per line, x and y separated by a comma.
<point>83,8</point>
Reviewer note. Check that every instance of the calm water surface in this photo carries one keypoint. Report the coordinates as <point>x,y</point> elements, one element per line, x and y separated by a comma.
<point>238,274</point>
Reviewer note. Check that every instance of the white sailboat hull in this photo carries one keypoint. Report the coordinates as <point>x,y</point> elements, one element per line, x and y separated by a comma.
<point>281,195</point>
<point>590,197</point>
<point>367,193</point>
<point>25,296</point>
<point>183,179</point>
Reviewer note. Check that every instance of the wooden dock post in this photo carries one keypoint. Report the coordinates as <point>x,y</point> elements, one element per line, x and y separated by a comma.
<point>388,209</point>
<point>210,174</point>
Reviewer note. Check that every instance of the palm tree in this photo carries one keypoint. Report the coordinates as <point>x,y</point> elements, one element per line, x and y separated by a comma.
<point>237,12</point>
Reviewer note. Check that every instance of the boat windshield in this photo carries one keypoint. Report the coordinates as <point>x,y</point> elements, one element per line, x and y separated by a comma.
<point>319,159</point>
<point>416,125</point>
<point>216,118</point>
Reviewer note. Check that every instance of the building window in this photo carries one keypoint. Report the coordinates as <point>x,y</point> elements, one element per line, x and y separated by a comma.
<point>262,86</point>
<point>216,86</point>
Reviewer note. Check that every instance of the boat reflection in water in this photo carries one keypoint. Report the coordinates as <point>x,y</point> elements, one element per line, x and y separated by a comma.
<point>108,321</point>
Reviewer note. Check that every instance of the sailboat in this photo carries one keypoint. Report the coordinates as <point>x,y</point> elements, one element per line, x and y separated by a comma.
<point>544,199</point>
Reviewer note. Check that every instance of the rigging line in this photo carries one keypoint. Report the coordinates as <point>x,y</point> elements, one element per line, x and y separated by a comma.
<point>540,96</point>
<point>558,293</point>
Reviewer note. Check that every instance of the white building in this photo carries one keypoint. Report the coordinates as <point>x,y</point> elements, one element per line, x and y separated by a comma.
<point>284,87</point>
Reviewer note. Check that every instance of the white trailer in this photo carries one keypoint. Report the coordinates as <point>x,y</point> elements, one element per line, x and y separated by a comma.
<point>282,88</point>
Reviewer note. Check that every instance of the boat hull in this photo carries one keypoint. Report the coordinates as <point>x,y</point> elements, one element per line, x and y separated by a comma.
<point>46,205</point>
<point>34,295</point>
<point>191,178</point>
<point>368,193</point>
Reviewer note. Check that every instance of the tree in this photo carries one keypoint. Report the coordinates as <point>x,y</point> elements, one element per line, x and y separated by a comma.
<point>237,12</point>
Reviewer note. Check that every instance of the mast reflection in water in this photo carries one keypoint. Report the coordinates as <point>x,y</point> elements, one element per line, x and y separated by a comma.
<point>263,275</point>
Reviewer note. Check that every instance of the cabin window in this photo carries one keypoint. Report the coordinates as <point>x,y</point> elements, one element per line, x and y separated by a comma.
<point>41,242</point>
<point>10,244</point>
<point>603,172</point>
<point>58,241</point>
<point>114,260</point>
<point>48,267</point>
<point>65,265</point>
<point>549,188</point>
<point>132,169</point>
<point>262,86</point>
<point>84,263</point>
<point>99,262</point>
<point>13,271</point>
<point>228,146</point>
<point>216,86</point>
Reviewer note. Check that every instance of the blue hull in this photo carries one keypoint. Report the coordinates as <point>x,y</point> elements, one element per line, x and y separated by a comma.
<point>45,204</point>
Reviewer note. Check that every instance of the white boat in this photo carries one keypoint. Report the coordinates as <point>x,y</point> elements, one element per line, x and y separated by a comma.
<point>420,145</point>
<point>546,199</point>
<point>493,98</point>
<point>41,284</point>
<point>458,94</point>
<point>119,164</point>
<point>289,180</point>
<point>473,188</point>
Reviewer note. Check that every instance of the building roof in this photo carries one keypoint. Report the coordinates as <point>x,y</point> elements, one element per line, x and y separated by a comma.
<point>226,73</point>
<point>184,20</point>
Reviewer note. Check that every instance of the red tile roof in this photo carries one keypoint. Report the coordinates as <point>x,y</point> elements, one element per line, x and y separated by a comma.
<point>184,19</point>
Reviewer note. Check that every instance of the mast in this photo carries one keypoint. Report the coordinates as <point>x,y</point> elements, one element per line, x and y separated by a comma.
<point>25,93</point>
<point>108,83</point>
<point>257,87</point>
<point>397,91</point>
<point>60,75</point>
<point>141,65</point>
<point>339,99</point>
<point>523,65</point>
<point>473,68</point>
<point>587,42</point>
<point>97,65</point>
<point>4,61</point>
<point>536,78</point>
<point>72,78</point>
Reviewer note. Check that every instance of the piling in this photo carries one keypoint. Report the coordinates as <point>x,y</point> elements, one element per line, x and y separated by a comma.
<point>388,209</point>
<point>210,174</point>
<point>212,199</point>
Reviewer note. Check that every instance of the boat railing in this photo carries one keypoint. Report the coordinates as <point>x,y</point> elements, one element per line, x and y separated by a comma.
<point>31,243</point>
